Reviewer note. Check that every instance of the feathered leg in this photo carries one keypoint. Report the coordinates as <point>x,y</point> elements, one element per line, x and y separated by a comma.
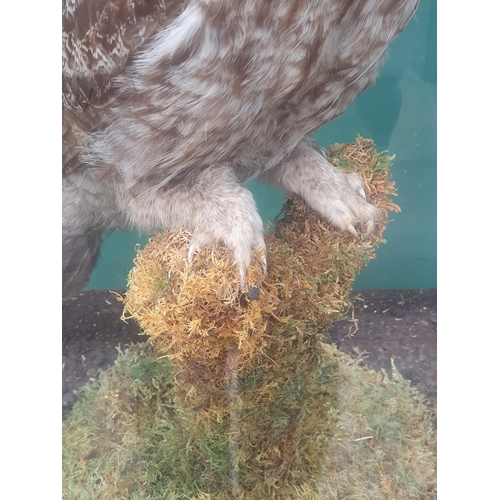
<point>88,208</point>
<point>212,204</point>
<point>80,254</point>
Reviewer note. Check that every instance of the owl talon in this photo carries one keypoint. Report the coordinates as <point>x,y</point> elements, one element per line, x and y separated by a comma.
<point>349,227</point>
<point>370,226</point>
<point>261,255</point>
<point>192,250</point>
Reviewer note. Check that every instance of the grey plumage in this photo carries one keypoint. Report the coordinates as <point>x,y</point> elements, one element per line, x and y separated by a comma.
<point>169,106</point>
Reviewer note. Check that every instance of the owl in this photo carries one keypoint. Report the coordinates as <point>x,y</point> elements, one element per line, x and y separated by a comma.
<point>170,106</point>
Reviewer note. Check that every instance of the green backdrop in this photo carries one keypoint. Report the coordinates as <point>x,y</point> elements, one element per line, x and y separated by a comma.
<point>399,114</point>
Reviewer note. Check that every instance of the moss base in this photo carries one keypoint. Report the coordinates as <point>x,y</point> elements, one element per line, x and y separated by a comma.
<point>122,439</point>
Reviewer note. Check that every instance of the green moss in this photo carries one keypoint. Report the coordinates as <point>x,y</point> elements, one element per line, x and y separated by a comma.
<point>124,440</point>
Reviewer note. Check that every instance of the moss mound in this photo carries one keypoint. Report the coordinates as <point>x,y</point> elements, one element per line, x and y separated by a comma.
<point>122,438</point>
<point>247,393</point>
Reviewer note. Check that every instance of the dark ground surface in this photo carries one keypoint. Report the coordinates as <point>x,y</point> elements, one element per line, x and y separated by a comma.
<point>398,324</point>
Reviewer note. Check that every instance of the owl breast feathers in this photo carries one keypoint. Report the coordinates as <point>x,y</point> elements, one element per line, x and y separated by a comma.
<point>169,106</point>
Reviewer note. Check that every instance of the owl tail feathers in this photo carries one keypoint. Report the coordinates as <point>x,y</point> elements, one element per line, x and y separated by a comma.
<point>79,256</point>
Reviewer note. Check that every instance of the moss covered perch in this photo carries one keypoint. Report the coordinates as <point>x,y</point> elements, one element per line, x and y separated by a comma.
<point>237,396</point>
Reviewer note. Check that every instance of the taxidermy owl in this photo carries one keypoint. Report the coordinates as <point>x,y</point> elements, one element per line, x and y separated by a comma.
<point>169,106</point>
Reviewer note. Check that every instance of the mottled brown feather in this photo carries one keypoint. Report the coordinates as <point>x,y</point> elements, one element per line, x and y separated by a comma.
<point>169,105</point>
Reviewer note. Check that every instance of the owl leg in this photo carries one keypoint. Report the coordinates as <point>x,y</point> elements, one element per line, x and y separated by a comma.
<point>79,256</point>
<point>338,196</point>
<point>213,205</point>
<point>88,209</point>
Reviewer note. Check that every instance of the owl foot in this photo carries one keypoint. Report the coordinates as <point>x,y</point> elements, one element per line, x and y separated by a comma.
<point>243,249</point>
<point>343,202</point>
<point>336,195</point>
<point>234,220</point>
